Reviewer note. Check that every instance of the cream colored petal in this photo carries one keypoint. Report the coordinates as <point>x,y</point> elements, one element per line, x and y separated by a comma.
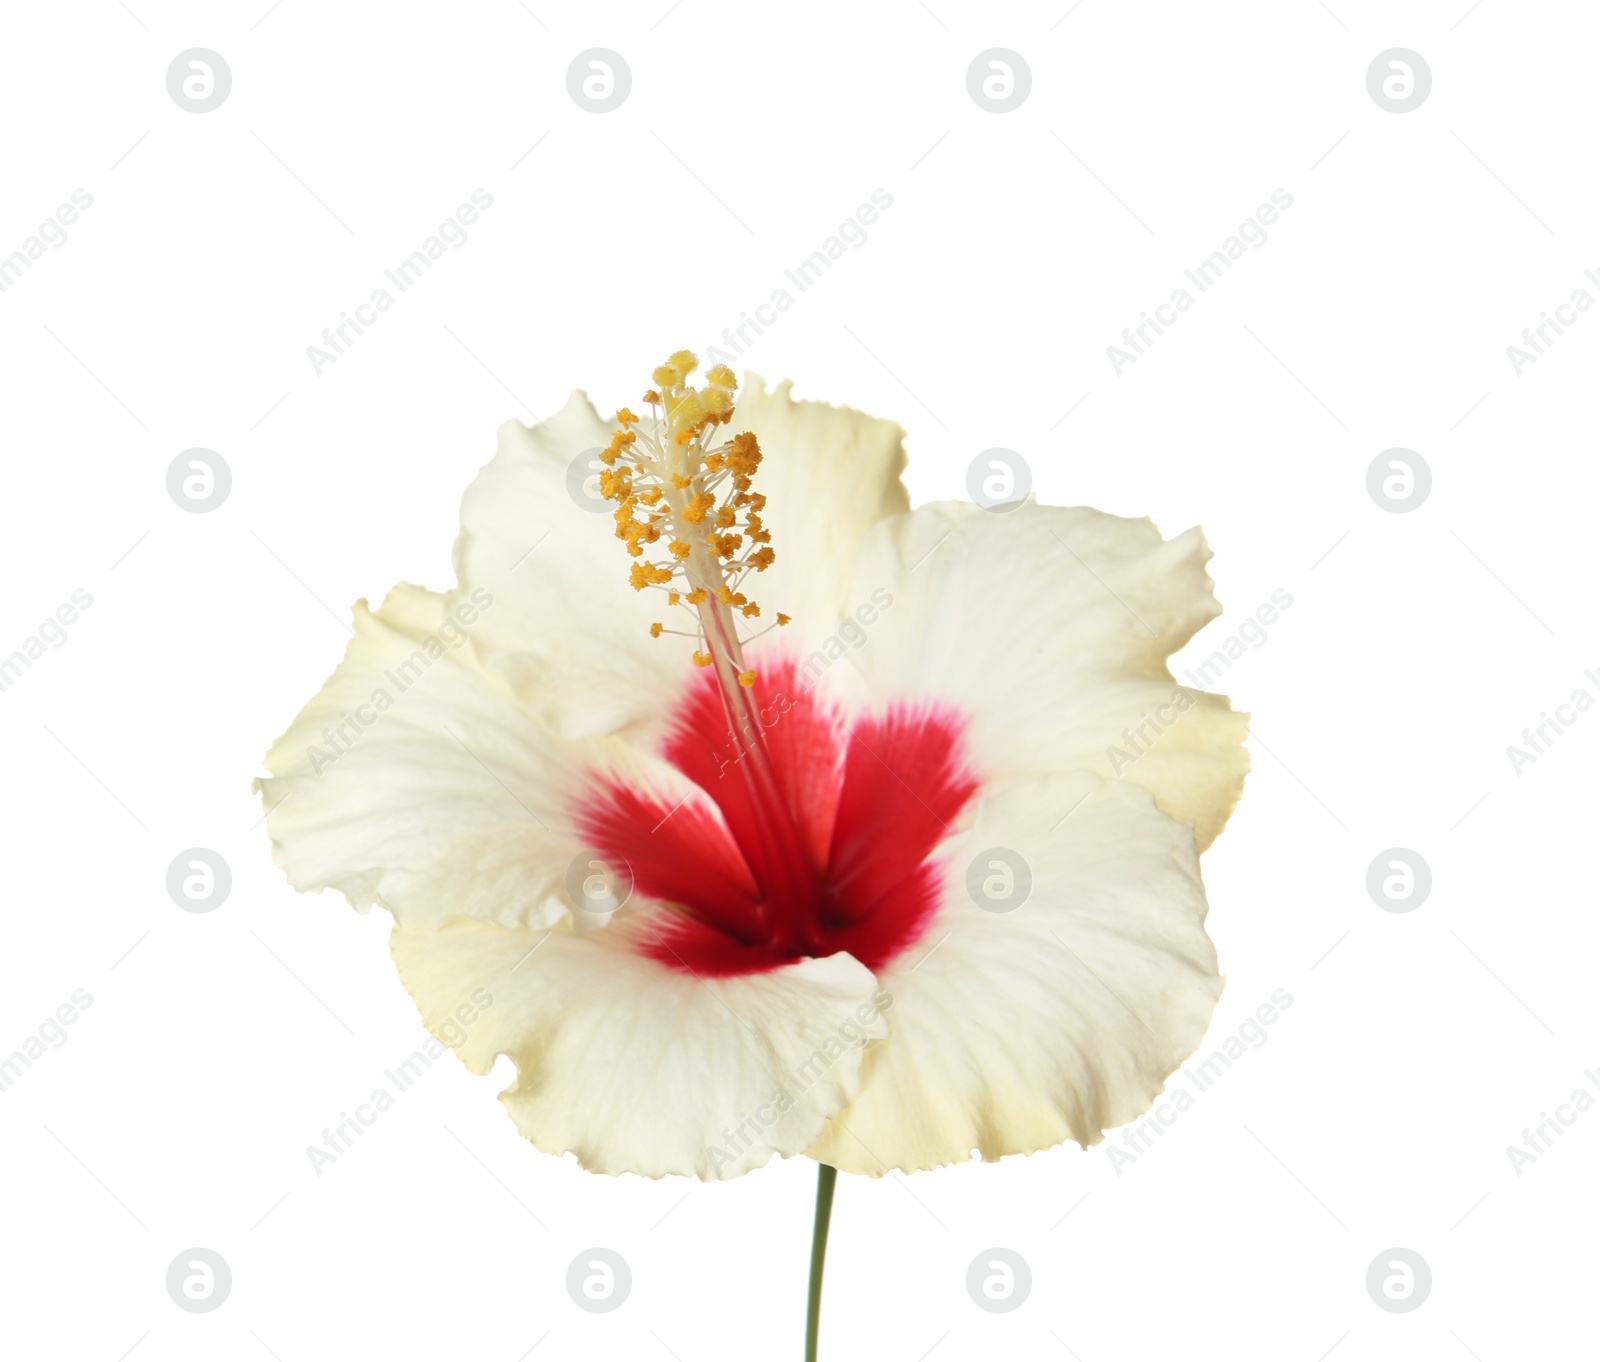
<point>636,1068</point>
<point>415,781</point>
<point>567,631</point>
<point>829,474</point>
<point>1050,627</point>
<point>1013,1032</point>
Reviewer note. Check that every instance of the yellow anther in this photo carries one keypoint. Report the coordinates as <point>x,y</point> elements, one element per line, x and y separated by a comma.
<point>747,678</point>
<point>743,459</point>
<point>647,574</point>
<point>672,471</point>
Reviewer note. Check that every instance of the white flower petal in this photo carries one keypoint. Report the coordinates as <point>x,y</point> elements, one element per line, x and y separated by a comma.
<point>566,629</point>
<point>1050,627</point>
<point>634,1067</point>
<point>413,780</point>
<point>829,474</point>
<point>1010,1033</point>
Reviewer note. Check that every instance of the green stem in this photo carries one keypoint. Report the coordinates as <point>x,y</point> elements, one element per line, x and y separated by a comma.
<point>826,1177</point>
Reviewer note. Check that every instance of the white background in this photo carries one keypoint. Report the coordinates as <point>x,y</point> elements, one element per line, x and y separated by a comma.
<point>1418,647</point>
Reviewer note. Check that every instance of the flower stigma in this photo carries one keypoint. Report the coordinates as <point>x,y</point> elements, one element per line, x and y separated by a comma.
<point>677,485</point>
<point>674,481</point>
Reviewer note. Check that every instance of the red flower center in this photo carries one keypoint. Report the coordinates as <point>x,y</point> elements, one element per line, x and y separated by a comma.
<point>826,831</point>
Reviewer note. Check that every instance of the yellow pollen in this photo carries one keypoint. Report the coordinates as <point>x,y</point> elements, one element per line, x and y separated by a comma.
<point>647,574</point>
<point>675,481</point>
<point>698,505</point>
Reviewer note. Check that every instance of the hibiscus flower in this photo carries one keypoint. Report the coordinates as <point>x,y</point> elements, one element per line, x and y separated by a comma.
<point>905,873</point>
